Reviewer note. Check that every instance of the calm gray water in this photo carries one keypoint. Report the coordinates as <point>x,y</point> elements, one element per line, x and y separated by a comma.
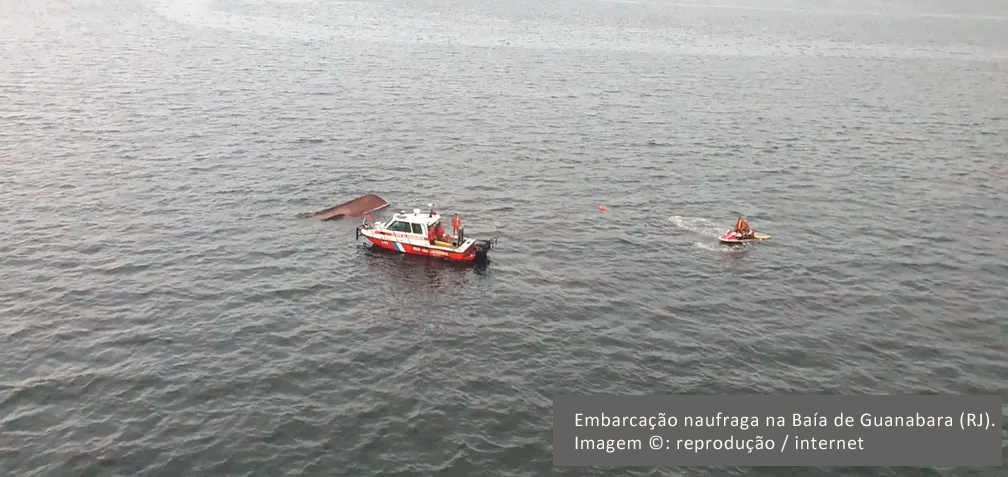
<point>165,313</point>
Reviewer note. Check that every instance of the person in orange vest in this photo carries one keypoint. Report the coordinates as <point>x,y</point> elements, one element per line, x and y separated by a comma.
<point>456,226</point>
<point>742,228</point>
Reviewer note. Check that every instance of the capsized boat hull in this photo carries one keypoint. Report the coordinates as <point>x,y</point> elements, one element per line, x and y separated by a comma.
<point>358,207</point>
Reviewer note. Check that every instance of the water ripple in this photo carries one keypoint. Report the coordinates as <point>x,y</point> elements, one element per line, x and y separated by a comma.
<point>167,313</point>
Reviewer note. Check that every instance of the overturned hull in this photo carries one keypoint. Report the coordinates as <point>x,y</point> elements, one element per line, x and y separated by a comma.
<point>364,204</point>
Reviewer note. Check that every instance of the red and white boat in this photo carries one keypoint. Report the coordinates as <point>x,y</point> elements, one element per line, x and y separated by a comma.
<point>421,233</point>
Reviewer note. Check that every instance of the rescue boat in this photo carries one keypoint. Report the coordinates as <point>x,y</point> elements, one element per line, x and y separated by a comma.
<point>421,233</point>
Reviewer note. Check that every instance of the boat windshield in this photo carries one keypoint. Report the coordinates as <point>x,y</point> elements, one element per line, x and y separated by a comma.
<point>399,226</point>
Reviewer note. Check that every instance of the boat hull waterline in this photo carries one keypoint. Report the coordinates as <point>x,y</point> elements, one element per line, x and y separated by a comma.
<point>468,255</point>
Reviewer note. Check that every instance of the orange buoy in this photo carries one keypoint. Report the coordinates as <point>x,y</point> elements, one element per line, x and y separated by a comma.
<point>602,208</point>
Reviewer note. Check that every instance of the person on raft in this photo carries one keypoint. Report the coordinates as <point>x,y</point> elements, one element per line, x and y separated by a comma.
<point>742,228</point>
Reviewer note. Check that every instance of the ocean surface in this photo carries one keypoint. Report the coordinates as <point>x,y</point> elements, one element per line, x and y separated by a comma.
<point>165,312</point>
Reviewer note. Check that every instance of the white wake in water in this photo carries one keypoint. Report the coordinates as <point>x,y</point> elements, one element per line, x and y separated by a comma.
<point>706,228</point>
<point>380,22</point>
<point>202,14</point>
<point>699,225</point>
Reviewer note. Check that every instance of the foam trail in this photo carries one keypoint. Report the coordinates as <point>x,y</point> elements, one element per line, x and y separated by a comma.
<point>200,13</point>
<point>719,247</point>
<point>818,11</point>
<point>699,225</point>
<point>707,228</point>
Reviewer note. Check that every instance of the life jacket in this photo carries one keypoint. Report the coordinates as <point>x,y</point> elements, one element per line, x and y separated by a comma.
<point>456,223</point>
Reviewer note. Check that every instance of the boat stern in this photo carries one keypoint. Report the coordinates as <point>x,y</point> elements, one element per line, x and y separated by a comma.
<point>483,249</point>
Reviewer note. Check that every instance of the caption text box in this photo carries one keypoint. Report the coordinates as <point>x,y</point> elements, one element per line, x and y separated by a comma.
<point>789,430</point>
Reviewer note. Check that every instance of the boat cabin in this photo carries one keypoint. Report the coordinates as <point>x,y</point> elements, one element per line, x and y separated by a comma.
<point>415,223</point>
<point>414,228</point>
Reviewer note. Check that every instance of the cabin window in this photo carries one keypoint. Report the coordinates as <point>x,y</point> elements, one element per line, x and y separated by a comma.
<point>417,229</point>
<point>399,227</point>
